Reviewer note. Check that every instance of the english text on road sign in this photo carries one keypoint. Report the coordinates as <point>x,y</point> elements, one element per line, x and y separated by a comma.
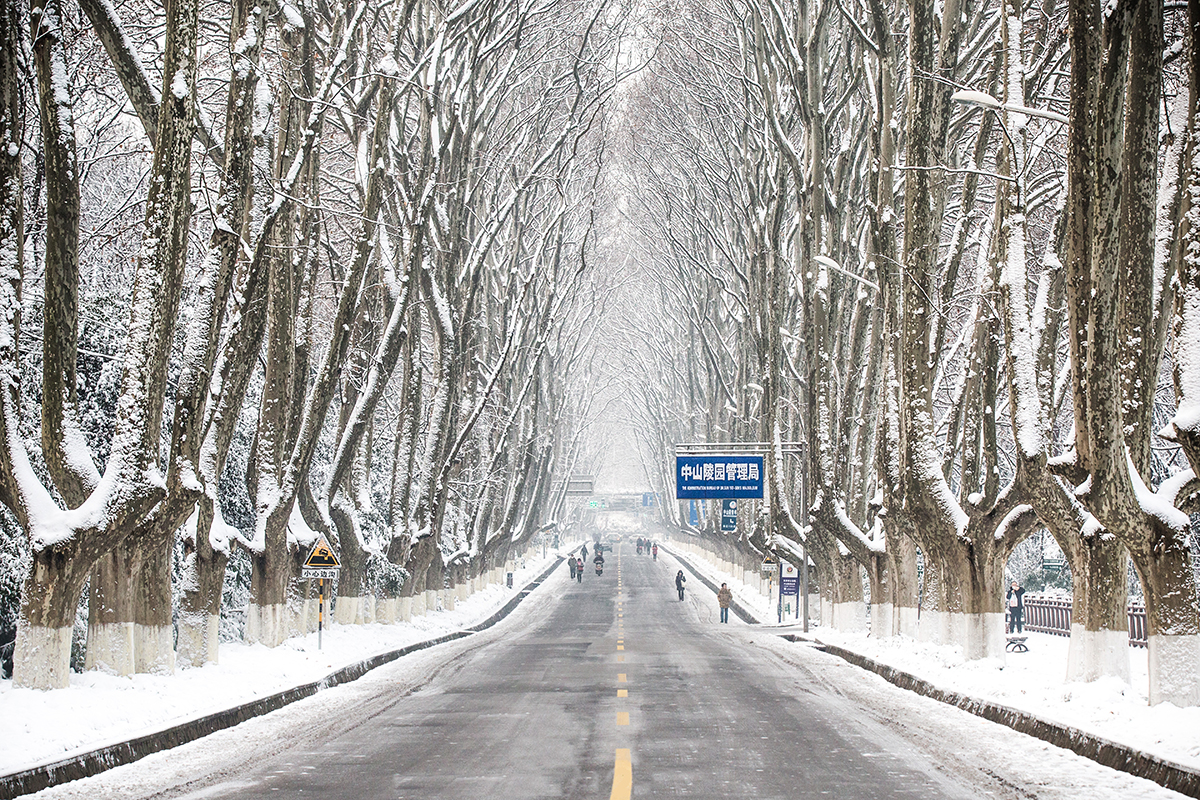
<point>322,556</point>
<point>715,477</point>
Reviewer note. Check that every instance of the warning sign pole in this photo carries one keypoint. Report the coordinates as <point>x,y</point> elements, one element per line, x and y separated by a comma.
<point>321,563</point>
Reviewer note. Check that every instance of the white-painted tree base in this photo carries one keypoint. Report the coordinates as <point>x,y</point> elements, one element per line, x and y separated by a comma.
<point>404,608</point>
<point>983,634</point>
<point>198,642</point>
<point>1092,655</point>
<point>355,610</point>
<point>882,621</point>
<point>418,605</point>
<point>1174,669</point>
<point>267,625</point>
<point>431,598</point>
<point>385,610</point>
<point>850,616</point>
<point>932,626</point>
<point>42,657</point>
<point>906,621</point>
<point>155,649</point>
<point>110,648</point>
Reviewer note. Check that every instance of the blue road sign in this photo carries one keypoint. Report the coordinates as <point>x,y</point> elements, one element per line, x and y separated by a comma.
<point>717,477</point>
<point>650,499</point>
<point>729,515</point>
<point>789,580</point>
<point>693,513</point>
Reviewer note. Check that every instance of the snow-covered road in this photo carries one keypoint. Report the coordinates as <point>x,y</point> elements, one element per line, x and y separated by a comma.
<point>533,708</point>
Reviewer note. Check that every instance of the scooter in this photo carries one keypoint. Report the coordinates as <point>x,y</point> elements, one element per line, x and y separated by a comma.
<point>599,569</point>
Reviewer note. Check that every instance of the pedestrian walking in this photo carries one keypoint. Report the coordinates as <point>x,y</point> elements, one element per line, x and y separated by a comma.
<point>1016,608</point>
<point>583,552</point>
<point>579,569</point>
<point>654,550</point>
<point>679,582</point>
<point>724,598</point>
<point>571,561</point>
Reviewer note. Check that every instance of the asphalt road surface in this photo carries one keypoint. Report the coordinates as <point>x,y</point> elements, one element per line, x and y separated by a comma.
<point>613,688</point>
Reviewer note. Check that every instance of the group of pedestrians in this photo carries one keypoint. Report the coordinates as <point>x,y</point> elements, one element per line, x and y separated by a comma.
<point>647,546</point>
<point>575,563</point>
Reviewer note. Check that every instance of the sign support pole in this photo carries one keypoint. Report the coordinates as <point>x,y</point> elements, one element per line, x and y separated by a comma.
<point>804,589</point>
<point>320,609</point>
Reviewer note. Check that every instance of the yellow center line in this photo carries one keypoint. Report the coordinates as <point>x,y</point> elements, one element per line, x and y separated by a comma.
<point>622,776</point>
<point>622,693</point>
<point>621,678</point>
<point>620,647</point>
<point>622,717</point>
<point>620,658</point>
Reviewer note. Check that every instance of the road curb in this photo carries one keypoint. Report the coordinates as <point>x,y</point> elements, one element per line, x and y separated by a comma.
<point>103,759</point>
<point>1168,774</point>
<point>1114,755</point>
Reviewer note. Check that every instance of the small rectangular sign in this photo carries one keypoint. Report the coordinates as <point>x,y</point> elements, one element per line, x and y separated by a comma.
<point>789,580</point>
<point>717,477</point>
<point>312,573</point>
<point>729,515</point>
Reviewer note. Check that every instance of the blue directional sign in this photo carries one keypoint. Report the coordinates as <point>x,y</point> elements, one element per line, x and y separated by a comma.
<point>716,477</point>
<point>729,515</point>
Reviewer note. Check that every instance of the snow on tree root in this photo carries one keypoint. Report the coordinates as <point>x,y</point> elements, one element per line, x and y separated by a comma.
<point>198,643</point>
<point>1097,654</point>
<point>42,657</point>
<point>1174,669</point>
<point>155,649</point>
<point>111,647</point>
<point>267,625</point>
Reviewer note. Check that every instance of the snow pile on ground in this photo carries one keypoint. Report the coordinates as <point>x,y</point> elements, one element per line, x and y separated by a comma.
<point>1033,682</point>
<point>99,710</point>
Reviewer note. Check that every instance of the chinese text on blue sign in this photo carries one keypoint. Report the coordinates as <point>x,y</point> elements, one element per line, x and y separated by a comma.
<point>717,477</point>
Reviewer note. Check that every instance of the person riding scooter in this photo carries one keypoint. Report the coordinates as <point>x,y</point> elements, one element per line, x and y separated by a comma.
<point>599,562</point>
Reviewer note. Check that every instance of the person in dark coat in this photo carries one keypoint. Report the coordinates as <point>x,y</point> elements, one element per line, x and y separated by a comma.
<point>679,582</point>
<point>583,552</point>
<point>579,569</point>
<point>571,561</point>
<point>1016,608</point>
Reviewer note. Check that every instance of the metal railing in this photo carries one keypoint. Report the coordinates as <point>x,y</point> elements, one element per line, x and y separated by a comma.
<point>1053,616</point>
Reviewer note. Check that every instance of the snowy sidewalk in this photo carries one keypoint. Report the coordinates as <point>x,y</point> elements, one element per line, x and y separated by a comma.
<point>100,710</point>
<point>1033,682</point>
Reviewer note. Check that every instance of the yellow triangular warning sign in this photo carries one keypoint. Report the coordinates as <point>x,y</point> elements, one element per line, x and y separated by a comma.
<point>322,555</point>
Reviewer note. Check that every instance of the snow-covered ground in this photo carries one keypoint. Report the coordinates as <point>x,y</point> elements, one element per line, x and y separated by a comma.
<point>1033,682</point>
<point>98,709</point>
